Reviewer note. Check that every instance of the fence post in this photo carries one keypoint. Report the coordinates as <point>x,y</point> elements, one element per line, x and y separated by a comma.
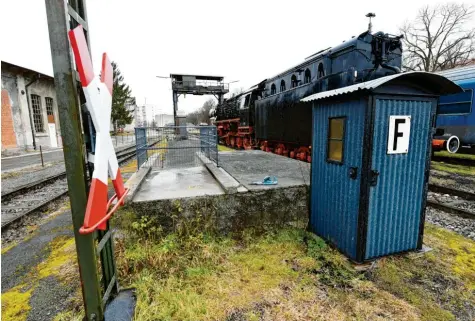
<point>41,155</point>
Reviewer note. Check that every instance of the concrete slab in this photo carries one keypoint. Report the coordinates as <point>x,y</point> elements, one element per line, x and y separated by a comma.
<point>134,182</point>
<point>253,165</point>
<point>227,182</point>
<point>221,199</point>
<point>177,183</point>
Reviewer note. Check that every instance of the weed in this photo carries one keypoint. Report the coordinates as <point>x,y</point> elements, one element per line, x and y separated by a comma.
<point>453,168</point>
<point>222,148</point>
<point>457,155</point>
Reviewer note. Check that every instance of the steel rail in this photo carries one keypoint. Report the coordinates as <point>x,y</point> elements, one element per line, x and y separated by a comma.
<point>41,183</point>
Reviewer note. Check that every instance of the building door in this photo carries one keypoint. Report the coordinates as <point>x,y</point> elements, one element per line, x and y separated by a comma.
<point>337,149</point>
<point>52,134</point>
<point>51,123</point>
<point>398,167</point>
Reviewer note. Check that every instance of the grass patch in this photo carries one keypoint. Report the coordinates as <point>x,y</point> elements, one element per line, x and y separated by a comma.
<point>453,168</point>
<point>457,155</point>
<point>289,274</point>
<point>10,175</point>
<point>222,148</point>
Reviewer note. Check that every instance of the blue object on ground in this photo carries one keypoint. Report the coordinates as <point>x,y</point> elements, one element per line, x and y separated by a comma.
<point>268,180</point>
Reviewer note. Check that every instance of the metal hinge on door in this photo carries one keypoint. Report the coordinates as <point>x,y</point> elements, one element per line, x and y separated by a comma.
<point>374,177</point>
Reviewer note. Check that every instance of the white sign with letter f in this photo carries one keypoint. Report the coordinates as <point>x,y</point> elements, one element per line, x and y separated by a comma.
<point>399,133</point>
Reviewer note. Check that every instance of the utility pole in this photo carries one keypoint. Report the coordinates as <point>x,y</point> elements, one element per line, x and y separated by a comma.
<point>62,16</point>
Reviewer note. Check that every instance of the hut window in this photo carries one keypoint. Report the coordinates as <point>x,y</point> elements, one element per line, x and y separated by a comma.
<point>272,89</point>
<point>282,85</point>
<point>294,81</point>
<point>321,72</point>
<point>308,76</point>
<point>336,133</point>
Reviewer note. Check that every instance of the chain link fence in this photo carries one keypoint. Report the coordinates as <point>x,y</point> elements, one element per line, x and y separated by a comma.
<point>176,146</point>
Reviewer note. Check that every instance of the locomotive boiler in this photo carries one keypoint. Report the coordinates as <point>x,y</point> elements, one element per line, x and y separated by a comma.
<point>270,116</point>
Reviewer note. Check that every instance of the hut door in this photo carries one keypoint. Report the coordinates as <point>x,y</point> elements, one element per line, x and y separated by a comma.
<point>398,166</point>
<point>336,172</point>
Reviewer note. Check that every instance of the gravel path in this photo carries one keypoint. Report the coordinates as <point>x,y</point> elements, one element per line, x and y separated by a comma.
<point>463,226</point>
<point>10,183</point>
<point>49,296</point>
<point>27,254</point>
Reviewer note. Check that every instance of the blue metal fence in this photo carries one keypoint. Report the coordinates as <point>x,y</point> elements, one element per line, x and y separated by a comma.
<point>176,146</point>
<point>209,142</point>
<point>141,145</point>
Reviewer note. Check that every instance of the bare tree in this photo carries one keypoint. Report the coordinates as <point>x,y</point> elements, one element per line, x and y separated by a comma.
<point>202,114</point>
<point>438,38</point>
<point>237,91</point>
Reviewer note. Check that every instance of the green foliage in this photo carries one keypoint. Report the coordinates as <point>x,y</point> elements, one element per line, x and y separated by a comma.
<point>453,168</point>
<point>121,99</point>
<point>333,269</point>
<point>457,155</point>
<point>287,274</point>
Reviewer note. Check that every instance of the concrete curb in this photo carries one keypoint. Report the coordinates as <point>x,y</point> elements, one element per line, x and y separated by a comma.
<point>134,182</point>
<point>228,183</point>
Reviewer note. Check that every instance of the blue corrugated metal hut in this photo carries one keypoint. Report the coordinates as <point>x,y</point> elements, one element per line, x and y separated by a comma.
<point>370,162</point>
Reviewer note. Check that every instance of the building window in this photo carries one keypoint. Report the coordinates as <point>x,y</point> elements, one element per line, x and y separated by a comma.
<point>456,104</point>
<point>37,113</point>
<point>282,85</point>
<point>273,90</point>
<point>49,106</point>
<point>308,76</point>
<point>336,133</point>
<point>321,71</point>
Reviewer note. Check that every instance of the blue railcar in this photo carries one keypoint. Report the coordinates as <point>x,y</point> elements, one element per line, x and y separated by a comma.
<point>456,113</point>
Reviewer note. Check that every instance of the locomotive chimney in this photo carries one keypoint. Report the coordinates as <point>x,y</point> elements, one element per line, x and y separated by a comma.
<point>370,25</point>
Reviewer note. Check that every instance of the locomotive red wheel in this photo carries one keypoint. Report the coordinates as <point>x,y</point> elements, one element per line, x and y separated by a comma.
<point>246,142</point>
<point>280,149</point>
<point>264,146</point>
<point>239,142</point>
<point>292,154</point>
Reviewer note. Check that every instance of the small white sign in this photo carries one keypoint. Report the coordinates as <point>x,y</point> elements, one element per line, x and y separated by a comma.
<point>399,133</point>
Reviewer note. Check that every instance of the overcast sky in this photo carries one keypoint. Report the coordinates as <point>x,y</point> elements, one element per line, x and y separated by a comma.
<point>240,40</point>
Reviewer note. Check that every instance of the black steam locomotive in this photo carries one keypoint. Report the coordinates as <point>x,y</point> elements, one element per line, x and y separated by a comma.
<point>270,116</point>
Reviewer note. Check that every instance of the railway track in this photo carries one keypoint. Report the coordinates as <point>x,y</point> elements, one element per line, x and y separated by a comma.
<point>35,196</point>
<point>451,200</point>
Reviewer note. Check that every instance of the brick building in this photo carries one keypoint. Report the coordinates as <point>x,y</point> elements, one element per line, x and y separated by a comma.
<point>29,109</point>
